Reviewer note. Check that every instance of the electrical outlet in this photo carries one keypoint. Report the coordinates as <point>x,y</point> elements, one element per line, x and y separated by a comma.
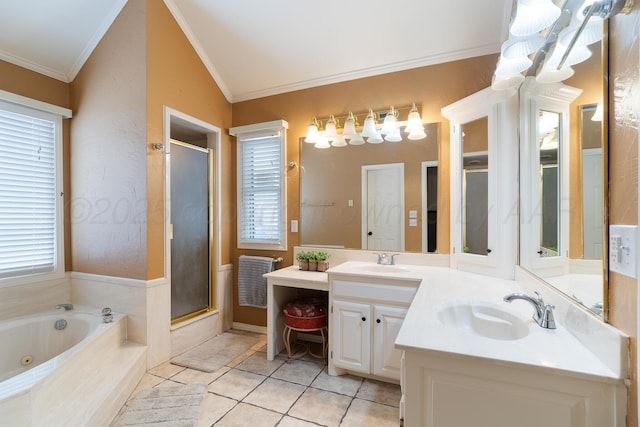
<point>623,249</point>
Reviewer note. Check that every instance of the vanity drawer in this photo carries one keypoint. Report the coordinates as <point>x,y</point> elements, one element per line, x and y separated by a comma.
<point>374,291</point>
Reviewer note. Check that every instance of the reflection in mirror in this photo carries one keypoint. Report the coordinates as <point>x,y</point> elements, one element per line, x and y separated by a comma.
<point>592,181</point>
<point>563,189</point>
<point>334,195</point>
<point>549,142</point>
<point>475,186</point>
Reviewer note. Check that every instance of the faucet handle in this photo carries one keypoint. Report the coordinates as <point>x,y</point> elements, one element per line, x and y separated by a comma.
<point>381,256</point>
<point>393,262</point>
<point>539,298</point>
<point>547,320</point>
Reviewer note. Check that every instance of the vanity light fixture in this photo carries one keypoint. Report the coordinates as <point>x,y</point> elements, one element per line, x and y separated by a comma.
<point>389,130</point>
<point>545,41</point>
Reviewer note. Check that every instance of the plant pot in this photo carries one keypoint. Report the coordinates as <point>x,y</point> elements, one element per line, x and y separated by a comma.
<point>323,265</point>
<point>304,265</point>
<point>313,265</point>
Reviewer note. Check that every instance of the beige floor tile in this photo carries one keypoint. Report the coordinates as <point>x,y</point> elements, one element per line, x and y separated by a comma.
<point>244,415</point>
<point>294,422</point>
<point>236,384</point>
<point>168,383</point>
<point>166,370</point>
<point>380,392</point>
<point>238,360</point>
<point>298,372</point>
<point>343,384</point>
<point>321,407</point>
<point>147,381</point>
<point>192,376</point>
<point>363,413</point>
<point>258,364</point>
<point>275,395</point>
<point>214,408</point>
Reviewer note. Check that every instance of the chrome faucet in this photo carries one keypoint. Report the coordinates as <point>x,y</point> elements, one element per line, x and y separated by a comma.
<point>107,316</point>
<point>543,314</point>
<point>66,307</point>
<point>385,258</point>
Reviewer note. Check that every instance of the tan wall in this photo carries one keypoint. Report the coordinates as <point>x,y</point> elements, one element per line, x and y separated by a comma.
<point>624,86</point>
<point>33,85</point>
<point>332,177</point>
<point>108,153</point>
<point>176,78</point>
<point>433,87</point>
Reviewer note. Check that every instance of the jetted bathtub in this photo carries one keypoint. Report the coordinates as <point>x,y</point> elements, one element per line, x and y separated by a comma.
<point>63,368</point>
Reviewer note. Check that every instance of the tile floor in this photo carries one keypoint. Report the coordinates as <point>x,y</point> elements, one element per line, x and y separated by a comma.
<point>252,391</point>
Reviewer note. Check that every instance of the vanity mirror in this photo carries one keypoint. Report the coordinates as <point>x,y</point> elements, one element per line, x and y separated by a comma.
<point>563,177</point>
<point>337,182</point>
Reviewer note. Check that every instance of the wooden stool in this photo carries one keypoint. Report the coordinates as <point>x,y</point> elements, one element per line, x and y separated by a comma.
<point>305,315</point>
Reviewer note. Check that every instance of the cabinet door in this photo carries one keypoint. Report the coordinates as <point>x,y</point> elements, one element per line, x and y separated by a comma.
<point>351,336</point>
<point>387,323</point>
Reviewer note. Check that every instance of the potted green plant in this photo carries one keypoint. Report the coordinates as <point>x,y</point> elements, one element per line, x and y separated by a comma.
<point>321,258</point>
<point>303,260</point>
<point>313,261</point>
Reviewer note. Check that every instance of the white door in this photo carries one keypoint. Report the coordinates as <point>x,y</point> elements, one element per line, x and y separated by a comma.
<point>592,202</point>
<point>386,358</point>
<point>351,337</point>
<point>383,207</point>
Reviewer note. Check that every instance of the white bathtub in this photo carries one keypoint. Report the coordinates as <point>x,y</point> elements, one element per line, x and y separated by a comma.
<point>68,377</point>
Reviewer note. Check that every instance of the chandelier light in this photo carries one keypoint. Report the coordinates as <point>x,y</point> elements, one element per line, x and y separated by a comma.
<point>372,132</point>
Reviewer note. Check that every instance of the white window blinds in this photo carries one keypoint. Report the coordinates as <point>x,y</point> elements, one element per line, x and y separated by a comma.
<point>260,173</point>
<point>28,191</point>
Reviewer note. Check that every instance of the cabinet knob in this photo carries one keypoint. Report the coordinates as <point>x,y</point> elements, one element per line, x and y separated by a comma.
<point>364,319</point>
<point>377,320</point>
<point>370,233</point>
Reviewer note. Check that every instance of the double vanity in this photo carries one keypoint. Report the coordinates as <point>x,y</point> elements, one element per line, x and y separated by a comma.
<point>463,355</point>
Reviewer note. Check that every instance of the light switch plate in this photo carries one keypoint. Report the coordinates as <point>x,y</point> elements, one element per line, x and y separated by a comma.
<point>413,222</point>
<point>294,225</point>
<point>413,213</point>
<point>623,249</point>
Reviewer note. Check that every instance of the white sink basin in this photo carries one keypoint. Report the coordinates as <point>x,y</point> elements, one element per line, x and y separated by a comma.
<point>483,319</point>
<point>378,268</point>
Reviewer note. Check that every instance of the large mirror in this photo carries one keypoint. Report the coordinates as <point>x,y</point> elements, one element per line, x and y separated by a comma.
<point>371,196</point>
<point>562,216</point>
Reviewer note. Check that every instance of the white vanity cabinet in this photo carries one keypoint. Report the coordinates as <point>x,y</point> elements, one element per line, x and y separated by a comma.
<point>441,390</point>
<point>365,317</point>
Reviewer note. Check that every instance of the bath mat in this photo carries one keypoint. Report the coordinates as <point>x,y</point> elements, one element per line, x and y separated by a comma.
<point>177,406</point>
<point>216,352</point>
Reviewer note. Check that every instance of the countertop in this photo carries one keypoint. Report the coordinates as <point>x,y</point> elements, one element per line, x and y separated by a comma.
<point>541,349</point>
<point>422,331</point>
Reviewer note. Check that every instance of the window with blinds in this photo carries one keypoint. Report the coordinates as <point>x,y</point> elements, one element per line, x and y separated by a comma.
<point>29,144</point>
<point>261,190</point>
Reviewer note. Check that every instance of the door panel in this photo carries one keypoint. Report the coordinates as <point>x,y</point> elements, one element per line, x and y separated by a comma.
<point>190,247</point>
<point>384,193</point>
<point>351,335</point>
<point>386,358</point>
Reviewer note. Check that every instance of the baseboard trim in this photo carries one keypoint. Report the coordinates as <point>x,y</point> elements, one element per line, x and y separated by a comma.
<point>249,328</point>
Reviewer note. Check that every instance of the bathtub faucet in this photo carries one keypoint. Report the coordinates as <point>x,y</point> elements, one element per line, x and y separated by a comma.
<point>66,307</point>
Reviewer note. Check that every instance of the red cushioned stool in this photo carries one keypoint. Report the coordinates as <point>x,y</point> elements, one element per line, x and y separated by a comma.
<point>305,315</point>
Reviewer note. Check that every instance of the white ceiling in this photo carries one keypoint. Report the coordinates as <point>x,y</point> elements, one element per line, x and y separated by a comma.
<point>256,48</point>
